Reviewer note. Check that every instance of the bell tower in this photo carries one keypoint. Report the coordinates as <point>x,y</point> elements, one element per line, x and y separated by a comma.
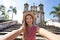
<point>26,7</point>
<point>41,11</point>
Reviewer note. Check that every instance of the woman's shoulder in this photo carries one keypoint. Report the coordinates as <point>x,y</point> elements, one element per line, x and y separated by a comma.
<point>36,27</point>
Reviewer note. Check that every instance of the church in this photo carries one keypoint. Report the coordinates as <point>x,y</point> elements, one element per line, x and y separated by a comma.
<point>38,12</point>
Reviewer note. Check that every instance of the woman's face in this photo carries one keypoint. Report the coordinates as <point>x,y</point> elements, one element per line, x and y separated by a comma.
<point>29,19</point>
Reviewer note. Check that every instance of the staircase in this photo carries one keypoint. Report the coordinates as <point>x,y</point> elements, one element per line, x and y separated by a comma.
<point>53,29</point>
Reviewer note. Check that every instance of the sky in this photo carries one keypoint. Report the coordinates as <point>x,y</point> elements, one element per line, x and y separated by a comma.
<point>19,4</point>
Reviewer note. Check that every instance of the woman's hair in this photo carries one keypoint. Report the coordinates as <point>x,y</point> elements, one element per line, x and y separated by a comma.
<point>26,25</point>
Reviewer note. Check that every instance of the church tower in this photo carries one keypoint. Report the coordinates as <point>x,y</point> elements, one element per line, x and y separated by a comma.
<point>41,10</point>
<point>26,7</point>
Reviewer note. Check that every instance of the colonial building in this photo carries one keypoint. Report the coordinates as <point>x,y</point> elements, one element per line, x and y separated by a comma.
<point>37,10</point>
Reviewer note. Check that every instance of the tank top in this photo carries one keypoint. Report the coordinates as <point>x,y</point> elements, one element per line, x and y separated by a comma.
<point>31,33</point>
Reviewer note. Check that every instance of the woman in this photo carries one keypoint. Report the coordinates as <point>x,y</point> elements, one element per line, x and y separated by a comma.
<point>29,29</point>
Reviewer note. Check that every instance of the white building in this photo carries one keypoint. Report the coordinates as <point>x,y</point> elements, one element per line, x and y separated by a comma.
<point>53,22</point>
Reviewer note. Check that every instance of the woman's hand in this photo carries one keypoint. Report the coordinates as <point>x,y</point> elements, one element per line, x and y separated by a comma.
<point>22,28</point>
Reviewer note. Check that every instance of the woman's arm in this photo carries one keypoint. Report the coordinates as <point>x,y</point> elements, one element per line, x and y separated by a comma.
<point>49,35</point>
<point>13,34</point>
<point>21,29</point>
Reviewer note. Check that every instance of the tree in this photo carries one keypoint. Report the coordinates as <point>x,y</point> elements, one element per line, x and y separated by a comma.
<point>3,10</point>
<point>13,10</point>
<point>56,12</point>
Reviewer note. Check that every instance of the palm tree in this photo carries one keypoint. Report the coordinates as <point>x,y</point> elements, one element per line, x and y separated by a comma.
<point>13,10</point>
<point>2,9</point>
<point>56,12</point>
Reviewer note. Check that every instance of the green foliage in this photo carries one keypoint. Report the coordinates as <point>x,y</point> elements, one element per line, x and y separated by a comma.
<point>5,15</point>
<point>56,12</point>
<point>3,10</point>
